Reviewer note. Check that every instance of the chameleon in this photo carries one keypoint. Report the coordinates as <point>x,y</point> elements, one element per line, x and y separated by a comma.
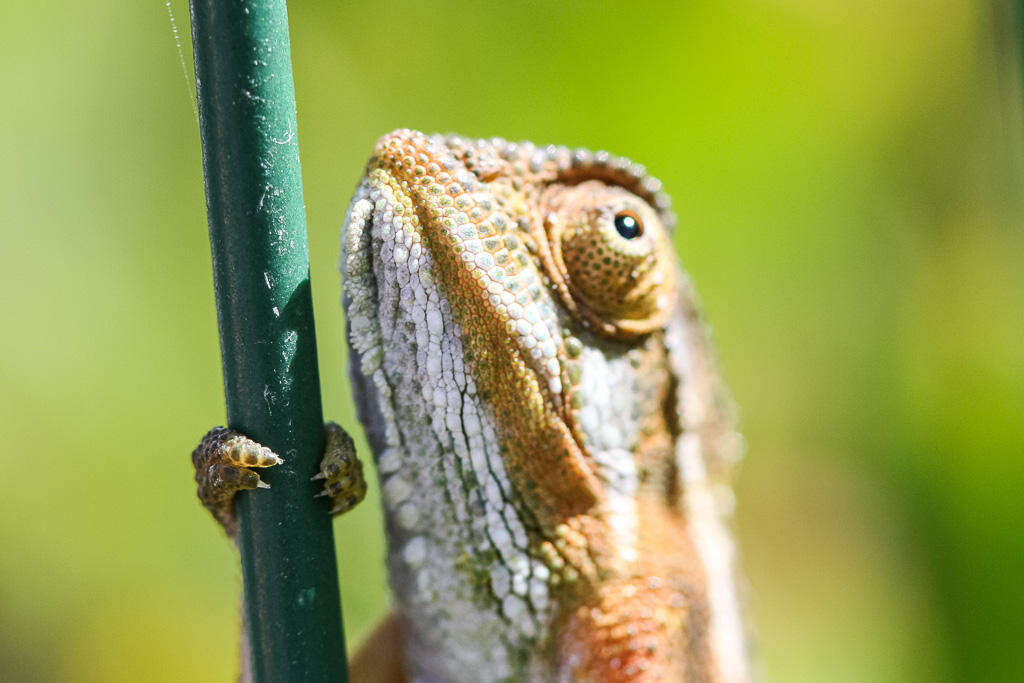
<point>551,434</point>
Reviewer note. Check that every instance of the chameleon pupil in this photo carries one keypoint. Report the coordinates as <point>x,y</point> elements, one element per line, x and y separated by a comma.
<point>628,226</point>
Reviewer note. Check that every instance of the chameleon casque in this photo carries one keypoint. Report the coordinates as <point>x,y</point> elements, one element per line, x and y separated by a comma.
<point>552,438</point>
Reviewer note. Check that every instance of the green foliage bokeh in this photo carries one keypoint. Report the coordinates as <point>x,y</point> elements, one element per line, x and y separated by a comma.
<point>847,178</point>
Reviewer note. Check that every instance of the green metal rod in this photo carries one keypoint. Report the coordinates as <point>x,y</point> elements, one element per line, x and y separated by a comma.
<point>264,310</point>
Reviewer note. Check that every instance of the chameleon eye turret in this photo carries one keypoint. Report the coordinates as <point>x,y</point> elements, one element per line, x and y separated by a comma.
<point>611,254</point>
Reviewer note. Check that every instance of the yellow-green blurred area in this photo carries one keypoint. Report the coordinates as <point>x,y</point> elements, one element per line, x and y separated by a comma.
<point>848,180</point>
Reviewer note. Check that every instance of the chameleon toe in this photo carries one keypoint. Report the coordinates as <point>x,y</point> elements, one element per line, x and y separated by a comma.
<point>340,470</point>
<point>222,462</point>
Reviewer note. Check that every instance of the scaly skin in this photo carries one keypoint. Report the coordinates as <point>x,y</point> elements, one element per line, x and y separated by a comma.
<point>548,425</point>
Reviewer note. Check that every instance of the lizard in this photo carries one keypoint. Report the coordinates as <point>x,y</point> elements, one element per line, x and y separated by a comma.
<point>551,434</point>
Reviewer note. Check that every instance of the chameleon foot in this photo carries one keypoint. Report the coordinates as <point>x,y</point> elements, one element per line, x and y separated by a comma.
<point>222,461</point>
<point>341,470</point>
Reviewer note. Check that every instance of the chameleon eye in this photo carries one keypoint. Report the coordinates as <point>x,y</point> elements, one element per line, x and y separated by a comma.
<point>628,225</point>
<point>611,260</point>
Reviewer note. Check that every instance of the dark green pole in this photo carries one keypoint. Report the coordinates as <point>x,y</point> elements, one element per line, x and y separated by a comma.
<point>264,310</point>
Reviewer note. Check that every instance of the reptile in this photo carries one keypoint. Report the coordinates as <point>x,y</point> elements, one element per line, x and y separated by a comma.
<point>552,438</point>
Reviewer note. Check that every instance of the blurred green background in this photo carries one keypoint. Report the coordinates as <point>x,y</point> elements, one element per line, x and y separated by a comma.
<point>848,180</point>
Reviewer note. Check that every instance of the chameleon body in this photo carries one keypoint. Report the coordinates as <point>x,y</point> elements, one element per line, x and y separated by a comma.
<point>550,432</point>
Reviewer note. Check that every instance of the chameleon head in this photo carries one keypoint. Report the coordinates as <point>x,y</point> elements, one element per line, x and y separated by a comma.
<point>536,384</point>
<point>511,232</point>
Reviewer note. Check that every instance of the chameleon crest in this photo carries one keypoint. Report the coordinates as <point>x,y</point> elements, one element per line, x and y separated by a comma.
<point>548,425</point>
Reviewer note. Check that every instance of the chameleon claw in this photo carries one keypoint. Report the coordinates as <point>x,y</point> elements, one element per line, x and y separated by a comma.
<point>225,463</point>
<point>341,471</point>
